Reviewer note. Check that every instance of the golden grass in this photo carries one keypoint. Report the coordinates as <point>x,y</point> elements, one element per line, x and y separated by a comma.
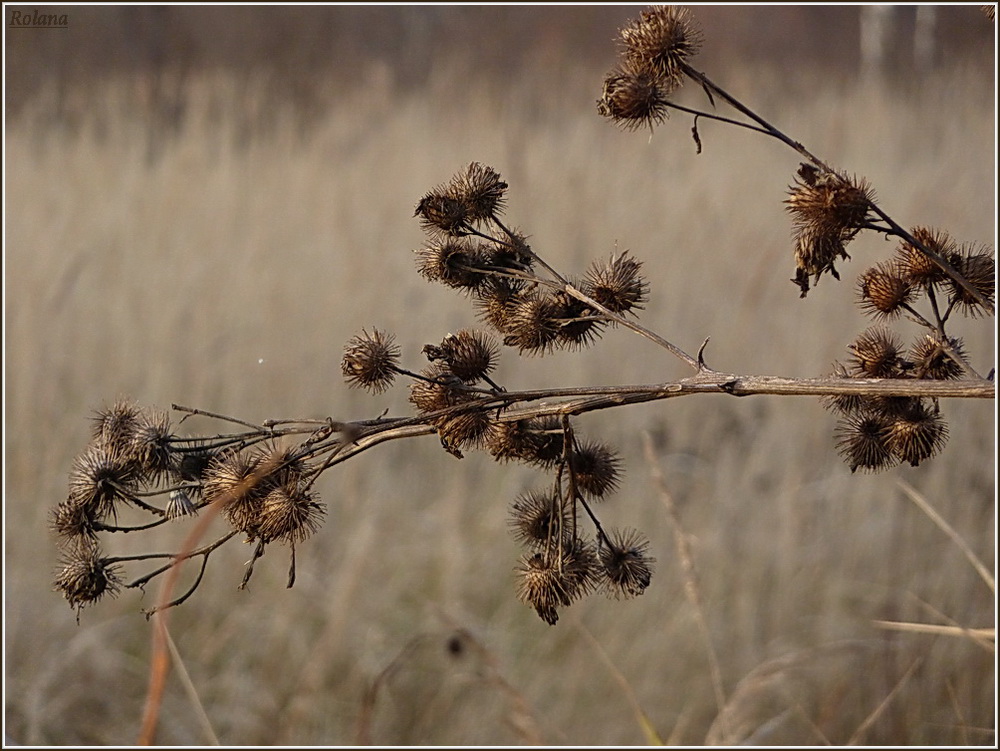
<point>225,270</point>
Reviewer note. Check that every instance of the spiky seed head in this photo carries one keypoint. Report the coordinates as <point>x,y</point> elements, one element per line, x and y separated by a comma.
<point>179,503</point>
<point>978,267</point>
<point>192,464</point>
<point>534,323</point>
<point>876,354</point>
<point>539,518</point>
<point>439,388</point>
<point>634,97</point>
<point>917,434</point>
<point>661,39</point>
<point>472,428</point>
<point>554,578</point>
<point>470,355</point>
<point>596,468</point>
<point>85,575</point>
<point>116,426</point>
<point>537,441</point>
<point>289,514</point>
<point>579,327</point>
<point>70,521</point>
<point>497,300</point>
<point>884,291</point>
<point>480,189</point>
<point>862,441</point>
<point>828,210</point>
<point>237,480</point>
<point>456,263</point>
<point>916,266</point>
<point>617,284</point>
<point>514,254</point>
<point>371,361</point>
<point>102,476</point>
<point>931,359</point>
<point>440,211</point>
<point>626,567</point>
<point>151,444</point>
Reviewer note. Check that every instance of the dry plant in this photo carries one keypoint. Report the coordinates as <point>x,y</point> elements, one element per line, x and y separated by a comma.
<point>261,478</point>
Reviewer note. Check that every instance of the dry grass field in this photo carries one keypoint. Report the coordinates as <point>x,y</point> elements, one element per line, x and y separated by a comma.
<point>223,262</point>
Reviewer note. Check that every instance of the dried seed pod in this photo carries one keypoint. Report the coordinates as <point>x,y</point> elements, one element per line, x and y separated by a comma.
<point>539,518</point>
<point>977,265</point>
<point>151,443</point>
<point>596,469</point>
<point>497,300</point>
<point>537,440</point>
<point>456,263</point>
<point>617,284</point>
<point>534,323</point>
<point>919,268</point>
<point>917,434</point>
<point>550,579</point>
<point>862,441</point>
<point>626,566</point>
<point>876,354</point>
<point>179,503</point>
<point>661,40</point>
<point>237,480</point>
<point>470,355</point>
<point>480,189</point>
<point>441,211</point>
<point>828,210</point>
<point>101,478</point>
<point>844,403</point>
<point>116,426</point>
<point>439,389</point>
<point>371,361</point>
<point>70,521</point>
<point>472,428</point>
<point>931,359</point>
<point>634,97</point>
<point>289,514</point>
<point>85,575</point>
<point>884,291</point>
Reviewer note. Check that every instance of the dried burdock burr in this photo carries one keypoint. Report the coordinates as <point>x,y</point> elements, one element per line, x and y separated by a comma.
<point>371,361</point>
<point>626,566</point>
<point>978,267</point>
<point>917,433</point>
<point>596,469</point>
<point>617,284</point>
<point>470,355</point>
<point>863,441</point>
<point>884,291</point>
<point>85,575</point>
<point>662,39</point>
<point>102,478</point>
<point>634,97</point>
<point>539,518</point>
<point>876,353</point>
<point>931,358</point>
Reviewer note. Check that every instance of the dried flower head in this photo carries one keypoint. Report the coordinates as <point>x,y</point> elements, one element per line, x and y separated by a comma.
<point>85,575</point>
<point>917,434</point>
<point>534,323</point>
<point>579,325</point>
<point>438,388</point>
<point>237,480</point>
<point>884,290</point>
<point>480,190</point>
<point>828,210</point>
<point>537,440</point>
<point>931,359</point>
<point>101,478</point>
<point>876,353</point>
<point>634,97</point>
<point>456,263</point>
<point>596,469</point>
<point>70,521</point>
<point>513,254</point>
<point>862,441</point>
<point>662,39</point>
<point>539,518</point>
<point>497,300</point>
<point>548,580</point>
<point>626,566</point>
<point>289,514</point>
<point>470,355</point>
<point>978,267</point>
<point>919,268</point>
<point>151,443</point>
<point>473,427</point>
<point>441,211</point>
<point>116,426</point>
<point>617,284</point>
<point>371,361</point>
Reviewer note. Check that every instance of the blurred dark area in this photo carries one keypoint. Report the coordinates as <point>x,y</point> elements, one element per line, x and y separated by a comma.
<point>307,54</point>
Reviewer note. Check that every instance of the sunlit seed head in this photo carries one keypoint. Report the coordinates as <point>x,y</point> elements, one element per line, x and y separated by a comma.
<point>438,389</point>
<point>152,443</point>
<point>116,426</point>
<point>844,403</point>
<point>931,360</point>
<point>876,353</point>
<point>470,355</point>
<point>439,211</point>
<point>539,518</point>
<point>534,323</point>
<point>289,514</point>
<point>480,190</point>
<point>918,267</point>
<point>596,468</point>
<point>634,97</point>
<point>370,361</point>
<point>85,575</point>
<point>70,521</point>
<point>662,39</point>
<point>456,263</point>
<point>102,477</point>
<point>617,284</point>
<point>977,265</point>
<point>917,434</point>
<point>884,291</point>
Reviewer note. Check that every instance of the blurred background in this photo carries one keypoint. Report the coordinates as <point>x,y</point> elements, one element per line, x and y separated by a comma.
<point>205,203</point>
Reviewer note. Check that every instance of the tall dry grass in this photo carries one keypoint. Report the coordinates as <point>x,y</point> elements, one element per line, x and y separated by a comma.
<point>225,268</point>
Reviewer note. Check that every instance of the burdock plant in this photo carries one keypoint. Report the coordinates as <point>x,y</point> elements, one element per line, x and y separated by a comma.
<point>261,478</point>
